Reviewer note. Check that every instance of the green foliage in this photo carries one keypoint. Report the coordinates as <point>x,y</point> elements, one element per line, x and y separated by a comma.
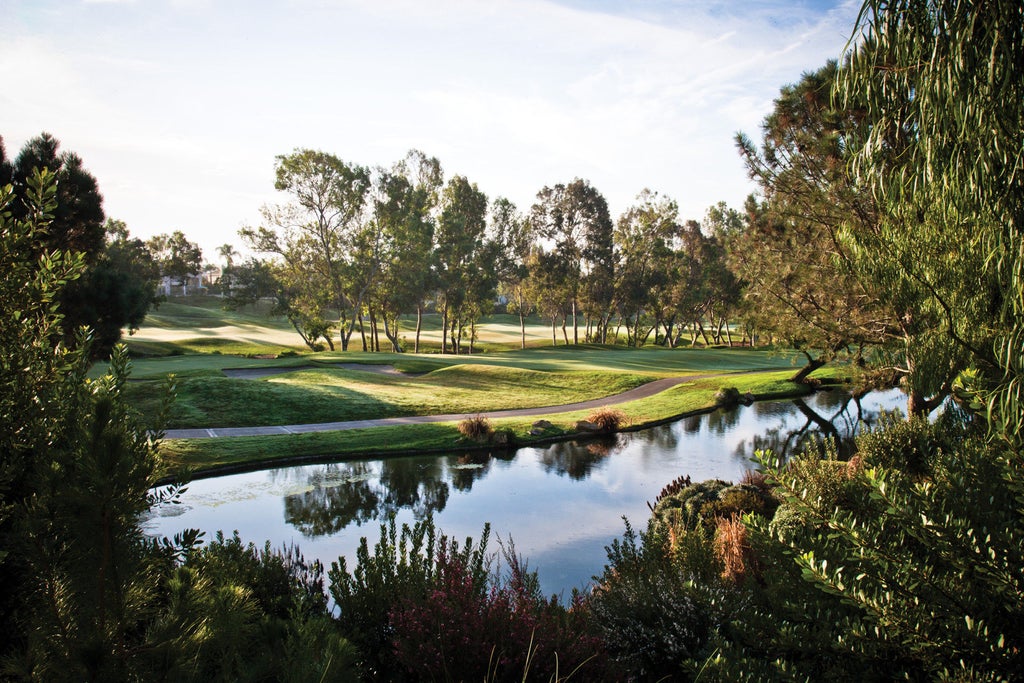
<point>327,252</point>
<point>116,292</point>
<point>801,283</point>
<point>942,86</point>
<point>117,286</point>
<point>77,472</point>
<point>659,604</point>
<point>236,613</point>
<point>919,565</point>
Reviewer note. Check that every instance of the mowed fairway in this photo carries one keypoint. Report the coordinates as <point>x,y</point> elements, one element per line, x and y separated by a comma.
<point>331,386</point>
<point>201,325</point>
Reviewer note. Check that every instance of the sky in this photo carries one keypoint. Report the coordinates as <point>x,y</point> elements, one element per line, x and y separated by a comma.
<point>179,107</point>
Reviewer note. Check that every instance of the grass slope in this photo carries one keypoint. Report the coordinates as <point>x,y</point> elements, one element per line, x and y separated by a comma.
<point>216,455</point>
<point>330,395</point>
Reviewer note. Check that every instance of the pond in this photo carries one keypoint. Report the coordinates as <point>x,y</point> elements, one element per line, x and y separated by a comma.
<point>561,504</point>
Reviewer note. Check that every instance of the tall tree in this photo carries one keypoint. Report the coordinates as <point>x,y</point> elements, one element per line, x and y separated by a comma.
<point>459,245</point>
<point>643,237</point>
<point>177,258</point>
<point>404,201</point>
<point>791,254</point>
<point>575,218</point>
<point>114,293</point>
<point>319,234</point>
<point>513,239</point>
<point>78,217</point>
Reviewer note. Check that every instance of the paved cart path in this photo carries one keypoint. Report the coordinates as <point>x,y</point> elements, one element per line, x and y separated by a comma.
<point>644,391</point>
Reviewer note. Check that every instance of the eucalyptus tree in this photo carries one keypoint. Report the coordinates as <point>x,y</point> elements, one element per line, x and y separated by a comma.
<point>547,288</point>
<point>405,198</point>
<point>644,237</point>
<point>513,239</point>
<point>321,235</point>
<point>459,246</point>
<point>575,219</point>
<point>175,256</point>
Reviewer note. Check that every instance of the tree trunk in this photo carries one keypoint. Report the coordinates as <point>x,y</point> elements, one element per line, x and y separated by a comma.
<point>444,329</point>
<point>374,335</point>
<point>392,335</point>
<point>472,336</point>
<point>812,364</point>
<point>362,331</point>
<point>522,327</point>
<point>703,333</point>
<point>728,333</point>
<point>919,404</point>
<point>554,339</point>
<point>565,333</point>
<point>419,325</point>
<point>575,324</point>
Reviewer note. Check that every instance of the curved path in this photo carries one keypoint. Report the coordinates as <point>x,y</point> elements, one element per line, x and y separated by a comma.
<point>644,391</point>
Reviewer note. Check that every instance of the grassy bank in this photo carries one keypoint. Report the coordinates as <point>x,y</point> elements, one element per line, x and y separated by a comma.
<point>330,387</point>
<point>225,454</point>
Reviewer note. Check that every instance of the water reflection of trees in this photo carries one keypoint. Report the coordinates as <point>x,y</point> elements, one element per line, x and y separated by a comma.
<point>578,459</point>
<point>722,421</point>
<point>471,467</point>
<point>836,416</point>
<point>340,494</point>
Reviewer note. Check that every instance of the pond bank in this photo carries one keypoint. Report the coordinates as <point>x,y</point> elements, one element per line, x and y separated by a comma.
<point>203,458</point>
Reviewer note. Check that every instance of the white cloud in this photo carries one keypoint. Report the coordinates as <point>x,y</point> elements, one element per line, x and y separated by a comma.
<point>178,107</point>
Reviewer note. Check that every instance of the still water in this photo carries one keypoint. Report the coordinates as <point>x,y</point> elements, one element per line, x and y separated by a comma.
<point>561,504</point>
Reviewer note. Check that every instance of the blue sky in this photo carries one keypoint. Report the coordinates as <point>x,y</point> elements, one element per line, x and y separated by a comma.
<point>178,107</point>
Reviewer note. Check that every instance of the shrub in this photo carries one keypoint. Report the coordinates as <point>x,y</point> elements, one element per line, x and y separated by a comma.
<point>234,612</point>
<point>607,419</point>
<point>402,567</point>
<point>660,602</point>
<point>422,608</point>
<point>739,500</point>
<point>685,505</point>
<point>918,571</point>
<point>727,397</point>
<point>507,632</point>
<point>477,428</point>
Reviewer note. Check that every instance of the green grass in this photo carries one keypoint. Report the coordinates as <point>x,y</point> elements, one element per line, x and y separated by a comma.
<point>651,361</point>
<point>201,455</point>
<point>329,395</point>
<point>197,341</point>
